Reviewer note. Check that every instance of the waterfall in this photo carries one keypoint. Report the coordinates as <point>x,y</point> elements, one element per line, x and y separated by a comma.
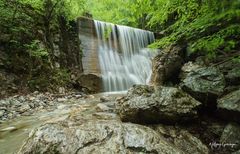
<point>123,56</point>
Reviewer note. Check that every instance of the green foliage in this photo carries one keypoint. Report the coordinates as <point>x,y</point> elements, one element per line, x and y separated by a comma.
<point>70,8</point>
<point>124,12</point>
<point>61,77</point>
<point>236,59</point>
<point>36,49</point>
<point>27,30</point>
<point>225,39</point>
<point>204,26</point>
<point>107,32</point>
<point>111,11</point>
<point>50,80</point>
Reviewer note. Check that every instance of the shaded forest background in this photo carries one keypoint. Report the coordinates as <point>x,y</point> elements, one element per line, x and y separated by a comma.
<point>38,37</point>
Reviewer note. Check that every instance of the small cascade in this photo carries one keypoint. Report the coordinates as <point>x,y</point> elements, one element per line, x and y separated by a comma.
<point>123,56</point>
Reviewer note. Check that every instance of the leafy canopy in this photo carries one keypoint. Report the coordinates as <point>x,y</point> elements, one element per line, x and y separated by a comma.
<point>203,25</point>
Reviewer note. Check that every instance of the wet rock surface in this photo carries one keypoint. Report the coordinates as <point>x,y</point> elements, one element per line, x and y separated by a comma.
<point>143,104</point>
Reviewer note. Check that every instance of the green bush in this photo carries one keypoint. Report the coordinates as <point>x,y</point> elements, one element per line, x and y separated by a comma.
<point>50,81</point>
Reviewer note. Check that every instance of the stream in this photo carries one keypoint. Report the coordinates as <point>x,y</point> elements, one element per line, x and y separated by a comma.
<point>14,132</point>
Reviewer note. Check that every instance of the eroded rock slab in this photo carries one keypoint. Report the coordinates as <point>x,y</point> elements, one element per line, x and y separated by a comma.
<point>144,104</point>
<point>100,136</point>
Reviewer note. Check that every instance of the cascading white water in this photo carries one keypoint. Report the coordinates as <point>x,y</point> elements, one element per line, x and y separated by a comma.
<point>123,56</point>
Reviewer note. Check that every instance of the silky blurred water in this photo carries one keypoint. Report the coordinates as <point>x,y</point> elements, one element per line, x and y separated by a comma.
<point>124,58</point>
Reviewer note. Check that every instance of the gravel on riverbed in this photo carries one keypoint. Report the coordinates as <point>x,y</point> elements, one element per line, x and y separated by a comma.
<point>24,105</point>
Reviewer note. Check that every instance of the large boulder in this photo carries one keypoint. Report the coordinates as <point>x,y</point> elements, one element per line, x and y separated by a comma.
<point>205,84</point>
<point>166,66</point>
<point>92,82</point>
<point>144,104</point>
<point>96,136</point>
<point>229,106</point>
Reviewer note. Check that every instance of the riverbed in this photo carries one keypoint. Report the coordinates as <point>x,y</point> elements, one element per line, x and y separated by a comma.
<point>14,132</point>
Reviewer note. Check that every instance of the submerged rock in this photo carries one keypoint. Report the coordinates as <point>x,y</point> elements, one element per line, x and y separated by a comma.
<point>204,84</point>
<point>229,106</point>
<point>143,104</point>
<point>100,136</point>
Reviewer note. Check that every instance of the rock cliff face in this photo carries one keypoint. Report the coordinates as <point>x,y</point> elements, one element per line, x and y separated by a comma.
<point>66,46</point>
